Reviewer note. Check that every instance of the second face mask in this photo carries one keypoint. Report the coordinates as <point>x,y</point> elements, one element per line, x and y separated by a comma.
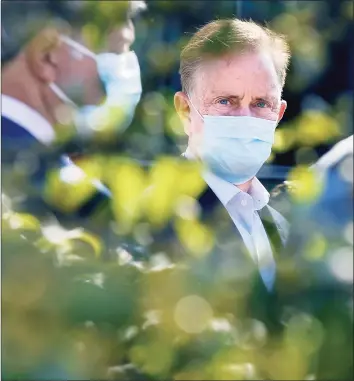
<point>120,75</point>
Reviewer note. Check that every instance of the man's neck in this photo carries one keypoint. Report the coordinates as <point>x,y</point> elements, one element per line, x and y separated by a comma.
<point>245,187</point>
<point>19,84</point>
<point>191,152</point>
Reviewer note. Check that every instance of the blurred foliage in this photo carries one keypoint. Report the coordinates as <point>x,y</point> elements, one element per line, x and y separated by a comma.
<point>70,314</point>
<point>67,315</point>
<point>70,311</point>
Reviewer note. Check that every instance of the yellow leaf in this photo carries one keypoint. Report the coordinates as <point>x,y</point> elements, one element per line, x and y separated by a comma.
<point>196,237</point>
<point>68,188</point>
<point>316,127</point>
<point>316,247</point>
<point>161,196</point>
<point>127,183</point>
<point>307,187</point>
<point>21,221</point>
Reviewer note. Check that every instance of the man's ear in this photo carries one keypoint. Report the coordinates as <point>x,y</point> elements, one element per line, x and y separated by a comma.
<point>42,55</point>
<point>282,109</point>
<point>183,109</point>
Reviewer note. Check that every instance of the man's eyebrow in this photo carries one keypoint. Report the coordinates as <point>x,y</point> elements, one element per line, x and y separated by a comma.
<point>270,98</point>
<point>267,97</point>
<point>228,95</point>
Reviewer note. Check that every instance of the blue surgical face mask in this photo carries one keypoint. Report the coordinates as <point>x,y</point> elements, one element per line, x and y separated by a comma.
<point>235,147</point>
<point>120,75</point>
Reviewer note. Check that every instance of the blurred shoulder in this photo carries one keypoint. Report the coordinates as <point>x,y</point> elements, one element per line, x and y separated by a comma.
<point>340,152</point>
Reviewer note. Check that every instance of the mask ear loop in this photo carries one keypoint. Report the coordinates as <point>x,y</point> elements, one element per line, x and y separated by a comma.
<point>82,50</point>
<point>78,47</point>
<point>61,95</point>
<point>190,100</point>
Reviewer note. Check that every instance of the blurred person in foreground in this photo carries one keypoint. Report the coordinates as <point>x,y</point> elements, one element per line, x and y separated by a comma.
<point>51,82</point>
<point>232,75</point>
<point>329,216</point>
<point>319,255</point>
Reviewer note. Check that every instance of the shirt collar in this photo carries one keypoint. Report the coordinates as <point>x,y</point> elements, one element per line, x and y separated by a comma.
<point>27,118</point>
<point>225,191</point>
<point>188,154</point>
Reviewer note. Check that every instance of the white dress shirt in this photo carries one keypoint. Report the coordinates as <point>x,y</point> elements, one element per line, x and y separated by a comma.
<point>28,118</point>
<point>243,209</point>
<point>34,123</point>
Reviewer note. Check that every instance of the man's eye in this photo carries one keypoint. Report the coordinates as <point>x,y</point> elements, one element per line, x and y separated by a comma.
<point>224,101</point>
<point>261,104</point>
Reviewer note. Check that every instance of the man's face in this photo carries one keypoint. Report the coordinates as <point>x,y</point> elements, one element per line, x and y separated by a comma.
<point>77,72</point>
<point>237,85</point>
<point>73,68</point>
<point>77,75</point>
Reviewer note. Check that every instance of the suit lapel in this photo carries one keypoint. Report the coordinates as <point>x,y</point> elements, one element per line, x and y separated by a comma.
<point>274,223</point>
<point>216,215</point>
<point>271,230</point>
<point>276,227</point>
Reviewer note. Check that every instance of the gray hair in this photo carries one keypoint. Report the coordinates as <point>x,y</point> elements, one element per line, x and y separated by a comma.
<point>221,37</point>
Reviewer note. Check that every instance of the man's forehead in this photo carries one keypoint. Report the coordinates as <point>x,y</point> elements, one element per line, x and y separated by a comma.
<point>255,71</point>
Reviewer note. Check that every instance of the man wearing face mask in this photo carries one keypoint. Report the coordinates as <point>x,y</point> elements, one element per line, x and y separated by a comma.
<point>232,75</point>
<point>50,81</point>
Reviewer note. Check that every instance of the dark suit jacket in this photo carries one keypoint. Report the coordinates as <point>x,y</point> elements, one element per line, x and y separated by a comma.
<point>230,261</point>
<point>228,255</point>
<point>20,149</point>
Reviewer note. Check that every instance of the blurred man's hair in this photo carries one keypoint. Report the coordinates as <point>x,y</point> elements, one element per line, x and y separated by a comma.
<point>23,19</point>
<point>222,37</point>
